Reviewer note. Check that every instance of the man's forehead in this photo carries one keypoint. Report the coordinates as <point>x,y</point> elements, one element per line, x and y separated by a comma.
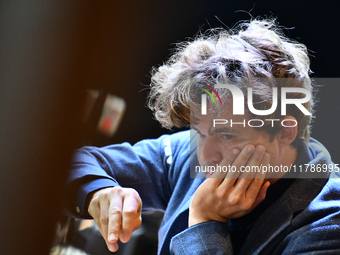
<point>208,125</point>
<point>228,123</point>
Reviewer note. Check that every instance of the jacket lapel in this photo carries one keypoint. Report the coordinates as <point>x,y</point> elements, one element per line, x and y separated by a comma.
<point>276,222</point>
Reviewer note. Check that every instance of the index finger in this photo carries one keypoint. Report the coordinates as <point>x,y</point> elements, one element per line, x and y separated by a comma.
<point>253,170</point>
<point>224,166</point>
<point>240,161</point>
<point>115,218</point>
<point>257,183</point>
<point>131,217</point>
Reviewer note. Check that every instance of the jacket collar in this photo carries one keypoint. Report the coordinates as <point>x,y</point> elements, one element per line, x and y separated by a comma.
<point>276,221</point>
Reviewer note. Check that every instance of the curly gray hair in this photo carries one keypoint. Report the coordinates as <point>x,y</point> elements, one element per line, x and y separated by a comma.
<point>255,53</point>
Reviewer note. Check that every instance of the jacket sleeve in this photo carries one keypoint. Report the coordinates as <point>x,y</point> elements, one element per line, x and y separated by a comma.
<point>318,240</point>
<point>204,238</point>
<point>321,234</point>
<point>316,230</point>
<point>149,166</point>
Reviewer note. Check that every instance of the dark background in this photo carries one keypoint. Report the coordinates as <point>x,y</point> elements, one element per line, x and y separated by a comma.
<point>146,32</point>
<point>51,51</point>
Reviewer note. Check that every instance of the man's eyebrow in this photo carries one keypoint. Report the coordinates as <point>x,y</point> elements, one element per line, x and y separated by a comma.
<point>212,131</point>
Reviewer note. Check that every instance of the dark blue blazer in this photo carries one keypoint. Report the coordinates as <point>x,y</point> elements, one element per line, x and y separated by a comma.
<point>304,220</point>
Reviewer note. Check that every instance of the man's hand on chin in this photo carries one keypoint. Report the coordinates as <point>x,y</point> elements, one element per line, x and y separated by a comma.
<point>231,195</point>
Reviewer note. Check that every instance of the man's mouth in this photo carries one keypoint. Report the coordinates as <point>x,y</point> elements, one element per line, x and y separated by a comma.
<point>208,171</point>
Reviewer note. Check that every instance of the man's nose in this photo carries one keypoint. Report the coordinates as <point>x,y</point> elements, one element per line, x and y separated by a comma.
<point>211,151</point>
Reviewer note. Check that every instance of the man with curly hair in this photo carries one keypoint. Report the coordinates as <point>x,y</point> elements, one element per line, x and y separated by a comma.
<point>282,207</point>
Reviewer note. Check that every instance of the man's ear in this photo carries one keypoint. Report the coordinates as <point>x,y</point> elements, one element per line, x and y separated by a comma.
<point>288,132</point>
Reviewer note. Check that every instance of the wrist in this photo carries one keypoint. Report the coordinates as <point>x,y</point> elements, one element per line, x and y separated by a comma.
<point>196,218</point>
<point>194,221</point>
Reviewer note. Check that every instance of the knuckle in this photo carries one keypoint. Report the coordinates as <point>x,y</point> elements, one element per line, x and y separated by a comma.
<point>133,193</point>
<point>235,199</point>
<point>258,181</point>
<point>222,194</point>
<point>257,160</point>
<point>130,190</point>
<point>244,157</point>
<point>135,196</point>
<point>248,179</point>
<point>138,197</point>
<point>229,160</point>
<point>117,191</point>
<point>138,222</point>
<point>127,225</point>
<point>114,228</point>
<point>103,219</point>
<point>130,211</point>
<point>115,211</point>
<point>104,195</point>
<point>94,203</point>
<point>93,210</point>
<point>247,205</point>
<point>93,213</point>
<point>209,188</point>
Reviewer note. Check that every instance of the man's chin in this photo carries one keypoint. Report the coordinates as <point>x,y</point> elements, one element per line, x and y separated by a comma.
<point>207,172</point>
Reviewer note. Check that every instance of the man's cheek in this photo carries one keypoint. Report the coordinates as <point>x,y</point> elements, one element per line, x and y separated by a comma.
<point>199,157</point>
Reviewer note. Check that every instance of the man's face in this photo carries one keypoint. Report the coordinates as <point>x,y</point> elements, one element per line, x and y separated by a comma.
<point>214,143</point>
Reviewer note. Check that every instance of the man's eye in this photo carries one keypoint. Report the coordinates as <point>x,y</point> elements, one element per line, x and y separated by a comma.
<point>199,134</point>
<point>226,137</point>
